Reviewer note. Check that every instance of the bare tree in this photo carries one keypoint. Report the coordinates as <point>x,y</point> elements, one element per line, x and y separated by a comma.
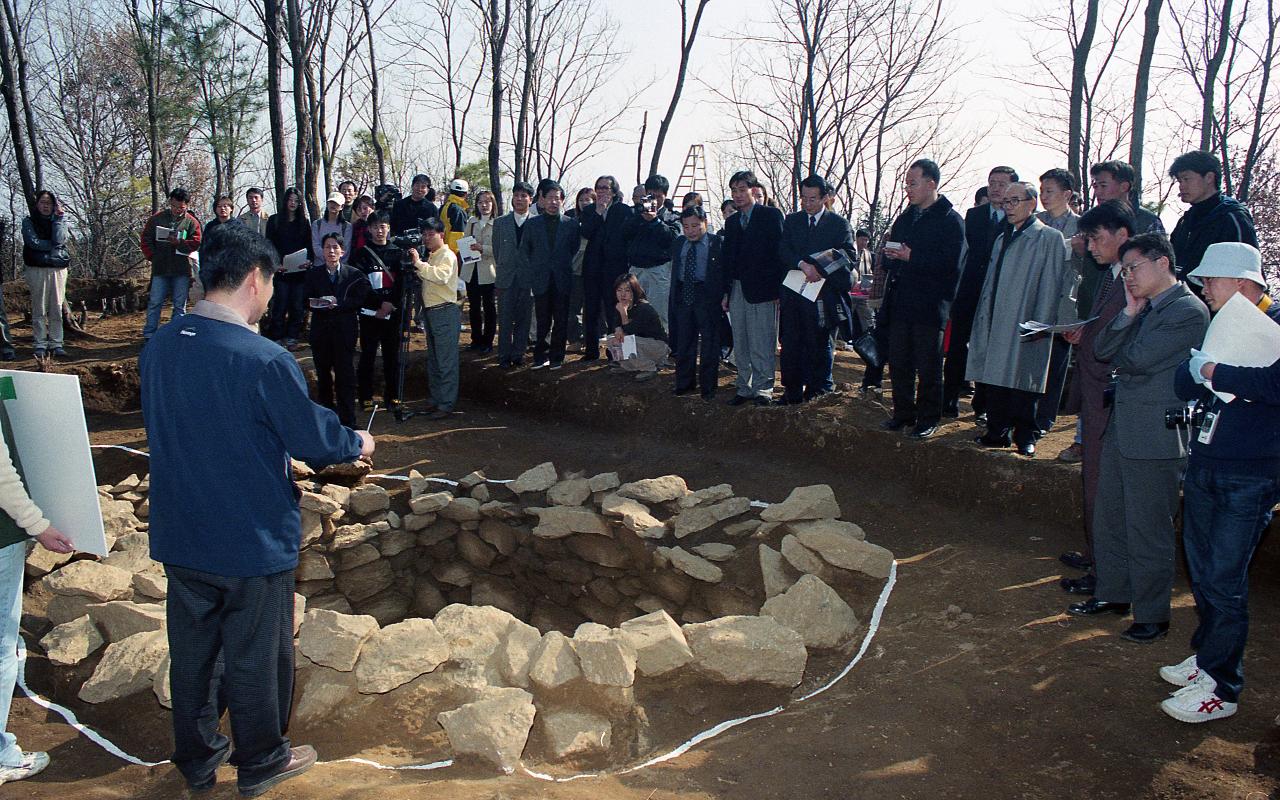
<point>497,27</point>
<point>1141,90</point>
<point>688,35</point>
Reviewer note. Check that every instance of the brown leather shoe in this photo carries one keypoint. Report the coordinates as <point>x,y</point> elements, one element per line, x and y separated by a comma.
<point>301,759</point>
<point>1072,455</point>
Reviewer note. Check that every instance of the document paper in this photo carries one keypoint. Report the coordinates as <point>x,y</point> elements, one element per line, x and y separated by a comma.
<point>468,255</point>
<point>295,261</point>
<point>795,282</point>
<point>1240,335</point>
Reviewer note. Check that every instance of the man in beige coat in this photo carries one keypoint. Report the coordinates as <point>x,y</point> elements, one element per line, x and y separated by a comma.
<point>1029,278</point>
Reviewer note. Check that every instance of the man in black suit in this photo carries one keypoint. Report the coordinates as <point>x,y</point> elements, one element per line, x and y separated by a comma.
<point>335,293</point>
<point>753,277</point>
<point>602,225</point>
<point>922,256</point>
<point>695,311</point>
<point>549,245</point>
<point>805,327</point>
<point>982,225</point>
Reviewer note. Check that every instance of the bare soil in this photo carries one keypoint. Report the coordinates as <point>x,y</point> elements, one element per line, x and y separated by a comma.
<point>1018,701</point>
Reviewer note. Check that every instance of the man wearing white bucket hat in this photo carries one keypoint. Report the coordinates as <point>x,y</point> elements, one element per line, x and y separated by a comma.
<point>1232,483</point>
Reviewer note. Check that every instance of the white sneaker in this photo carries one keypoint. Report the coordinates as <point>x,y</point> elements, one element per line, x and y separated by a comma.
<point>32,764</point>
<point>541,365</point>
<point>1184,673</point>
<point>1198,703</point>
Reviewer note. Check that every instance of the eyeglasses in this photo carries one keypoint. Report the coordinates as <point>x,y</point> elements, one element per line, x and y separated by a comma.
<point>1127,269</point>
<point>1012,202</point>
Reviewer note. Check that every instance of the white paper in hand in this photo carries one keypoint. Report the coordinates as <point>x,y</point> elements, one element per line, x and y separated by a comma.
<point>468,255</point>
<point>295,261</point>
<point>795,281</point>
<point>163,233</point>
<point>1240,335</point>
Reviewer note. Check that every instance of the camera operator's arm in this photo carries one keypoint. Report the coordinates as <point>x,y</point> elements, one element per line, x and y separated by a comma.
<point>429,272</point>
<point>1257,384</point>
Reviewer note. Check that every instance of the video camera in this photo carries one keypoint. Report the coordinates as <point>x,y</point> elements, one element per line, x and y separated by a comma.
<point>407,240</point>
<point>385,197</point>
<point>1183,417</point>
<point>649,204</point>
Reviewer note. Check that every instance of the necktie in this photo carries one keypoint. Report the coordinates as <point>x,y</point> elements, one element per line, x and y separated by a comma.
<point>687,288</point>
<point>813,222</point>
<point>1104,289</point>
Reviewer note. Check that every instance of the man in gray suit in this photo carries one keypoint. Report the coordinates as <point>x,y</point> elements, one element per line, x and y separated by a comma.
<point>1142,458</point>
<point>513,279</point>
<point>549,246</point>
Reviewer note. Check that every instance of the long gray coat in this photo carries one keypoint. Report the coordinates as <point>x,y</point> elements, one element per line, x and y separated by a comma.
<point>511,266</point>
<point>1037,282</point>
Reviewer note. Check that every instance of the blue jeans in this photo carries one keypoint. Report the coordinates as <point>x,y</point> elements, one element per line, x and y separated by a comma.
<point>1223,517</point>
<point>162,287</point>
<point>443,323</point>
<point>12,561</point>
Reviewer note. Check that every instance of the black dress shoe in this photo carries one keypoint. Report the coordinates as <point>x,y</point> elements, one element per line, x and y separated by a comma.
<point>590,355</point>
<point>709,396</point>
<point>1028,450</point>
<point>761,401</point>
<point>788,401</point>
<point>1086,584</point>
<point>1076,560</point>
<point>685,390</point>
<point>951,411</point>
<point>991,441</point>
<point>980,420</point>
<point>1146,632</point>
<point>896,424</point>
<point>924,430</point>
<point>1094,606</point>
<point>737,400</point>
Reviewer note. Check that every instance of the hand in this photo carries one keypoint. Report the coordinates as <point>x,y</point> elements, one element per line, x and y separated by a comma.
<point>367,444</point>
<point>1133,305</point>
<point>477,247</point>
<point>55,540</point>
<point>724,303</point>
<point>648,216</point>
<point>1200,366</point>
<point>1078,244</point>
<point>414,257</point>
<point>1073,337</point>
<point>810,272</point>
<point>602,204</point>
<point>385,311</point>
<point>622,309</point>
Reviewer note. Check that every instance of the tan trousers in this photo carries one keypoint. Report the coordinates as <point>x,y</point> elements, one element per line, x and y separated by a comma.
<point>650,354</point>
<point>48,291</point>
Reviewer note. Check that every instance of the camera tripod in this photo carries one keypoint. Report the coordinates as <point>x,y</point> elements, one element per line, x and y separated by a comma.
<point>410,286</point>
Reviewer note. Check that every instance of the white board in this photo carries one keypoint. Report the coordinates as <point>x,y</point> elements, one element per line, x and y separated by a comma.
<point>52,440</point>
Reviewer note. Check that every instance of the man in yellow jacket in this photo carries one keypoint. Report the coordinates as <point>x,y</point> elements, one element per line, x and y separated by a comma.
<point>455,212</point>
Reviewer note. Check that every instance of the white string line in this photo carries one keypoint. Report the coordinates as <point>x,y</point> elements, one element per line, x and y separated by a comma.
<point>872,628</point>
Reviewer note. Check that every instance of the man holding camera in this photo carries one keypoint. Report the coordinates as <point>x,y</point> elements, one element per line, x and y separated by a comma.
<point>381,319</point>
<point>439,276</point>
<point>1231,485</point>
<point>1142,457</point>
<point>650,233</point>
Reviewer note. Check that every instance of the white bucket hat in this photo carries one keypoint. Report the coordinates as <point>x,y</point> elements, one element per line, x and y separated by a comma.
<point>1229,260</point>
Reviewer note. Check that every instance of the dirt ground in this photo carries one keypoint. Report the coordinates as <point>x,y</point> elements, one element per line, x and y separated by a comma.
<point>1021,701</point>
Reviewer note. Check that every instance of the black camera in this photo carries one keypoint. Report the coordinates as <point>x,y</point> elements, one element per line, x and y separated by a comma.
<point>407,240</point>
<point>649,203</point>
<point>386,196</point>
<point>1182,416</point>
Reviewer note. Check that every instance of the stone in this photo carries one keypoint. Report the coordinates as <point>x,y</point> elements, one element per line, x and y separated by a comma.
<point>427,600</point>
<point>475,551</point>
<point>313,566</point>
<point>803,559</point>
<point>508,512</point>
<point>504,538</point>
<point>814,610</point>
<point>418,485</point>
<point>160,684</point>
<point>453,574</point>
<point>394,520</point>
<point>655,490</point>
<point>41,561</point>
<point>324,692</point>
<point>334,640</point>
<point>312,528</point>
<point>72,642</point>
<point>501,593</point>
<point>711,494</point>
<point>599,550</point>
<point>558,522</point>
<point>776,579</point>
<point>127,485</point>
<point>572,492</point>
<point>369,499</point>
<point>330,601</point>
<point>494,728</point>
<point>695,567</point>
<point>120,619</point>
<point>416,522</point>
<point>357,556</point>
<point>462,509</point>
<point>603,590</point>
<point>538,479</point>
<point>675,586</point>
<point>748,650</point>
<point>659,643</point>
<point>715,551</point>
<point>727,509</point>
<point>722,600</point>
<point>635,516</point>
<point>134,540</point>
<point>127,666</point>
<point>606,657</point>
<point>144,509</point>
<point>299,609</point>
<point>825,527</point>
<point>96,581</point>
<point>471,480</point>
<point>340,493</point>
<point>151,584</point>
<point>554,662</point>
<point>352,535</point>
<point>744,528</point>
<point>365,581</point>
<point>321,504</point>
<point>118,519</point>
<point>692,520</point>
<point>398,653</point>
<point>846,552</point>
<point>473,632</point>
<point>804,502</point>
<point>515,653</point>
<point>386,607</point>
<point>395,542</point>
<point>568,733</point>
<point>603,482</point>
<point>569,571</point>
<point>430,503</point>
<point>300,470</point>
<point>350,473</point>
<point>481,494</point>
<point>131,561</point>
<point>64,608</point>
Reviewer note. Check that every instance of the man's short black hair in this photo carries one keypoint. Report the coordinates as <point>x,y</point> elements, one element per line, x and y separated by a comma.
<point>420,178</point>
<point>727,204</point>
<point>694,211</point>
<point>928,169</point>
<point>1118,170</point>
<point>657,183</point>
<point>253,190</point>
<point>980,195</point>
<point>1065,180</point>
<point>1201,162</point>
<point>347,182</point>
<point>332,235</point>
<point>1111,215</point>
<point>379,218</point>
<point>816,182</point>
<point>1151,246</point>
<point>522,186</point>
<point>228,253</point>
<point>431,224</point>
<point>862,233</point>
<point>1010,171</point>
<point>179,194</point>
<point>546,186</point>
<point>745,176</point>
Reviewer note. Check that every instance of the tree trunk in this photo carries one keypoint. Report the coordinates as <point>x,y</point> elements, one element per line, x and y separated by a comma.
<point>1079,65</point>
<point>374,113</point>
<point>688,34</point>
<point>644,128</point>
<point>20,61</point>
<point>301,111</point>
<point>498,30</point>
<point>522,122</point>
<point>1211,68</point>
<point>8,88</point>
<point>1251,154</point>
<point>1141,89</point>
<point>275,113</point>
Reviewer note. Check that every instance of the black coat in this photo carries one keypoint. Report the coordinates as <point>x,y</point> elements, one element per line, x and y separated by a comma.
<point>751,255</point>
<point>921,290</point>
<point>714,287</point>
<point>407,214</point>
<point>649,241</point>
<point>798,242</point>
<point>290,237</point>
<point>364,261</point>
<point>1218,219</point>
<point>351,289</point>
<point>980,233</point>
<point>606,243</point>
<point>550,263</point>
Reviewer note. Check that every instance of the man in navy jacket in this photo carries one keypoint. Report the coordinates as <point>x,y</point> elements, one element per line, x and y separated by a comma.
<point>224,514</point>
<point>695,306</point>
<point>549,245</point>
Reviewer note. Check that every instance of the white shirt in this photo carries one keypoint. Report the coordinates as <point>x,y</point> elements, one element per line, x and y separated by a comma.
<point>814,219</point>
<point>520,219</point>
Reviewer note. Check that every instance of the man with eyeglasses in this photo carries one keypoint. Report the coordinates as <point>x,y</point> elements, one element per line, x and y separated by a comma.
<point>601,224</point>
<point>1029,278</point>
<point>1142,457</point>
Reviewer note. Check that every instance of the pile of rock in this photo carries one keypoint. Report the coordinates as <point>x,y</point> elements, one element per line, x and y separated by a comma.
<point>524,615</point>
